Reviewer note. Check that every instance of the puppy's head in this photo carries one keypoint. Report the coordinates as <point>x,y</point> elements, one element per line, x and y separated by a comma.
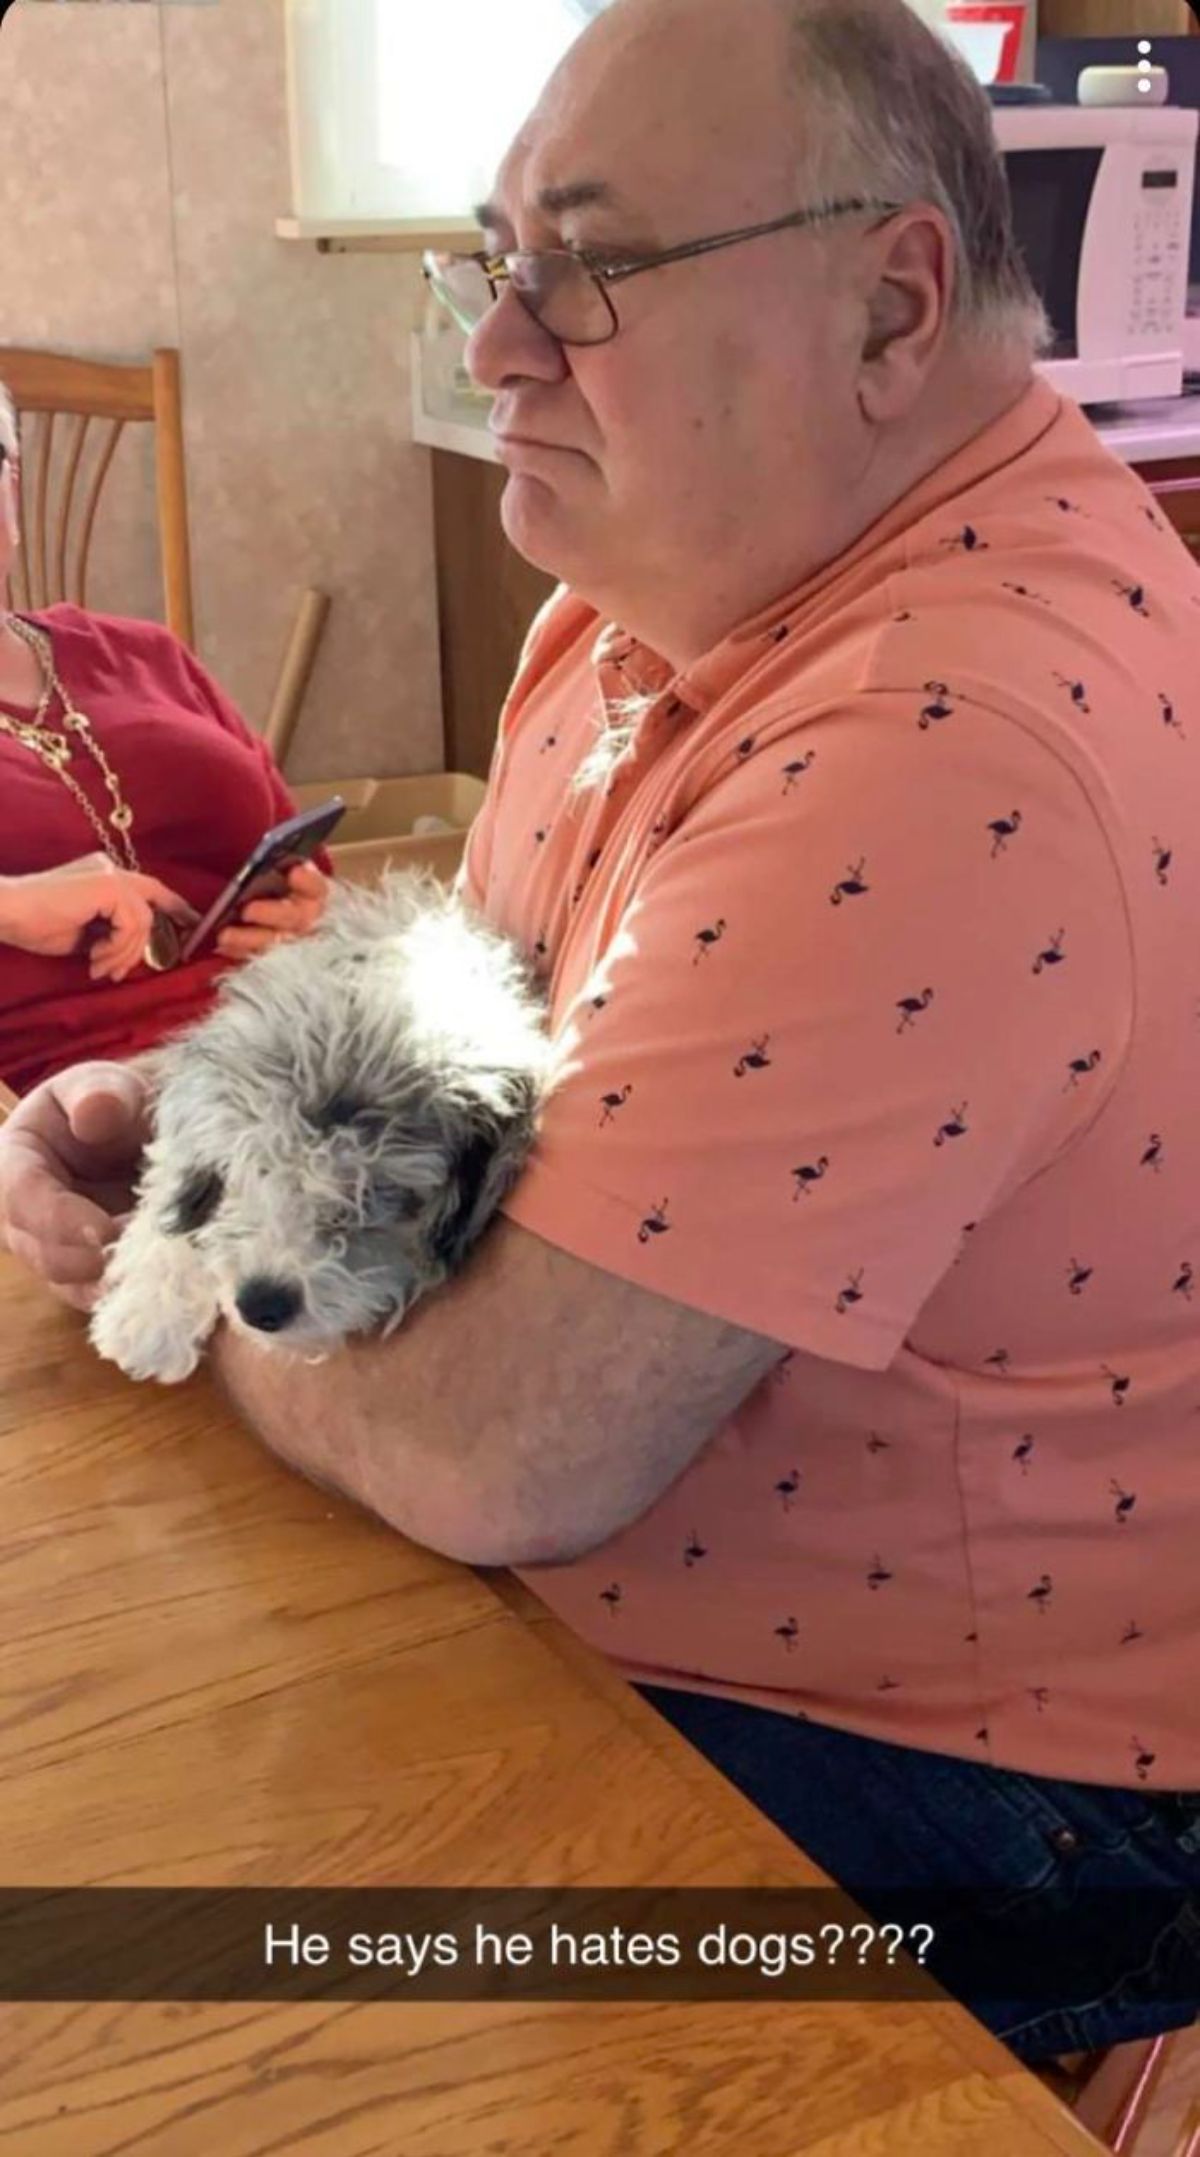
<point>335,1137</point>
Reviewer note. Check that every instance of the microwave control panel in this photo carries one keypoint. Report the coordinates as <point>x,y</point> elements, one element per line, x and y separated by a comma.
<point>1160,250</point>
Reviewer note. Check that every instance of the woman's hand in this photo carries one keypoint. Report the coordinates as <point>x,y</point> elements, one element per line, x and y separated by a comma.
<point>264,922</point>
<point>49,912</point>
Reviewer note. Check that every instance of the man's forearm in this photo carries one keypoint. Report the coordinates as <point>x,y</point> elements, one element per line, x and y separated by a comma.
<point>366,1422</point>
<point>287,1402</point>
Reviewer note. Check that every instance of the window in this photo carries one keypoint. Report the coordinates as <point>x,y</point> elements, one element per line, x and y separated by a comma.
<point>403,108</point>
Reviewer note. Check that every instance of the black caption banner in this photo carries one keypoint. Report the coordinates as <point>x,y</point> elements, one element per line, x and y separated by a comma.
<point>626,1945</point>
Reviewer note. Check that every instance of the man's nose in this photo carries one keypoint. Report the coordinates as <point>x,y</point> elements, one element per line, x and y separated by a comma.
<point>508,345</point>
<point>269,1306</point>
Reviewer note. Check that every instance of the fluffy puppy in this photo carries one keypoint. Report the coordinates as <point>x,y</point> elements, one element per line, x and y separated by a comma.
<point>329,1142</point>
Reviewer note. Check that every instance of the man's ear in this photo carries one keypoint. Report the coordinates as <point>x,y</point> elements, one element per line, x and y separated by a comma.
<point>907,313</point>
<point>893,312</point>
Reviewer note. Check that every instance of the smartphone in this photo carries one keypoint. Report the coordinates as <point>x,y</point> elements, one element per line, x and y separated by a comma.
<point>263,874</point>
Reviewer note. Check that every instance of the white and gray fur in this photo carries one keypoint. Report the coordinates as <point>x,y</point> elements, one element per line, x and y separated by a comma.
<point>330,1141</point>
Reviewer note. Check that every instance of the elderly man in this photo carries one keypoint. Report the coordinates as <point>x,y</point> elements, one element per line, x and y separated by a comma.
<point>835,1364</point>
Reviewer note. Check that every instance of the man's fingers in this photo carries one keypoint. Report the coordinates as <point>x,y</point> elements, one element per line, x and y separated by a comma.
<point>66,1156</point>
<point>55,1217</point>
<point>80,1299</point>
<point>63,1265</point>
<point>80,1295</point>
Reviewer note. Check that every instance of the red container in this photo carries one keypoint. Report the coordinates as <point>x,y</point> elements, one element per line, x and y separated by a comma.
<point>1007,16</point>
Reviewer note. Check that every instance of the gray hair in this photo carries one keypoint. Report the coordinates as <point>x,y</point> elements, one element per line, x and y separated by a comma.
<point>8,422</point>
<point>892,111</point>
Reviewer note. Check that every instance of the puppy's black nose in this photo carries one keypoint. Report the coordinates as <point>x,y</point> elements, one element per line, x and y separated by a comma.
<point>269,1306</point>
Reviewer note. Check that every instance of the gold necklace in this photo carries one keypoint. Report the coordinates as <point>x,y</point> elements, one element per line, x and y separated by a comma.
<point>55,750</point>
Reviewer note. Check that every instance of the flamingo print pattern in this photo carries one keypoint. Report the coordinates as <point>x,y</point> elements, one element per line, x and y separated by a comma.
<point>886,929</point>
<point>1080,1067</point>
<point>910,1008</point>
<point>1004,828</point>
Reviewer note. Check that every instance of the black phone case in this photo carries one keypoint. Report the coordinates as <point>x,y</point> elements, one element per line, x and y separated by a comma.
<point>277,850</point>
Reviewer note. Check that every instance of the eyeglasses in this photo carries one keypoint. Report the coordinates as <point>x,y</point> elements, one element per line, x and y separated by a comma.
<point>566,290</point>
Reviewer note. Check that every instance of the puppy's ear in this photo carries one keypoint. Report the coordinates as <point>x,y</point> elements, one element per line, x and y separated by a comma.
<point>485,1166</point>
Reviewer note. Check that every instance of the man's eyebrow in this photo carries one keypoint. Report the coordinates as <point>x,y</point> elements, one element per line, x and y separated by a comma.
<point>555,202</point>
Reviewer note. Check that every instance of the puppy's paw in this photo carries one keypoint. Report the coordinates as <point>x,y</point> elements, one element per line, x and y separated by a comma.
<point>141,1344</point>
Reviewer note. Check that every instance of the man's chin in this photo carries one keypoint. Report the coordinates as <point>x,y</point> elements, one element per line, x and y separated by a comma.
<point>539,525</point>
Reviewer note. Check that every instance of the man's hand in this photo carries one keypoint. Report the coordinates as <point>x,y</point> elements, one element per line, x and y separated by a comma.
<point>263,922</point>
<point>68,1158</point>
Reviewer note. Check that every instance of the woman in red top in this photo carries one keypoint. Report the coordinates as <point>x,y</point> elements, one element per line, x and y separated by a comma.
<point>153,803</point>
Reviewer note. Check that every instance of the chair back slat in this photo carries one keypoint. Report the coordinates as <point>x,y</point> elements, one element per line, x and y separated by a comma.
<point>40,500</point>
<point>20,576</point>
<point>66,498</point>
<point>99,476</point>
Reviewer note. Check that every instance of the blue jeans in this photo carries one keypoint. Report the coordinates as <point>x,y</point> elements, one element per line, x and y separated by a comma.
<point>1052,1861</point>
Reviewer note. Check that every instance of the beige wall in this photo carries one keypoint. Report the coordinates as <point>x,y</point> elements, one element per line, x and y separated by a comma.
<point>143,161</point>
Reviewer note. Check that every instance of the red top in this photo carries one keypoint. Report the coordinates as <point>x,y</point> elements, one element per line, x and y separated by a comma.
<point>203,790</point>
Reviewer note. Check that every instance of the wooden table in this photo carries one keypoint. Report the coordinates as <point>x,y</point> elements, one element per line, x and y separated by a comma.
<point>216,1674</point>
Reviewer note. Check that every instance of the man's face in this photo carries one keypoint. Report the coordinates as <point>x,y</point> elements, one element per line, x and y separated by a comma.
<point>693,437</point>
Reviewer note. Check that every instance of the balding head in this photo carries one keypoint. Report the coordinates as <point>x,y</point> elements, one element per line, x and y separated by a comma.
<point>834,99</point>
<point>708,80</point>
<point>764,399</point>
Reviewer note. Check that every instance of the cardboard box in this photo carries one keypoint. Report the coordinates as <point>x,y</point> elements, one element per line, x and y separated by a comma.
<point>377,830</point>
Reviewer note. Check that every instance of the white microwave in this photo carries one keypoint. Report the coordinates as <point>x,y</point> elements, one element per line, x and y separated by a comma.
<point>1102,205</point>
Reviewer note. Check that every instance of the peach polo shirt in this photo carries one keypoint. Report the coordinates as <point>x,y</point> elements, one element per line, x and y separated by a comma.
<point>879,965</point>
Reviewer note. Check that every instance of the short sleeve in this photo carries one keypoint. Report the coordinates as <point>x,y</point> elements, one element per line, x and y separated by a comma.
<point>839,1020</point>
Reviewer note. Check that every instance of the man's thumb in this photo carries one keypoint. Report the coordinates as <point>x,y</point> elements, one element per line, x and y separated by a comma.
<point>104,1107</point>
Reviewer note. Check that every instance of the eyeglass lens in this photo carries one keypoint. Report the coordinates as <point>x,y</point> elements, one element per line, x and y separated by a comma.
<point>552,286</point>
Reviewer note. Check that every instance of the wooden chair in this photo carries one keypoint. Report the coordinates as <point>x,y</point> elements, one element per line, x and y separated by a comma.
<point>50,387</point>
<point>1111,2092</point>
